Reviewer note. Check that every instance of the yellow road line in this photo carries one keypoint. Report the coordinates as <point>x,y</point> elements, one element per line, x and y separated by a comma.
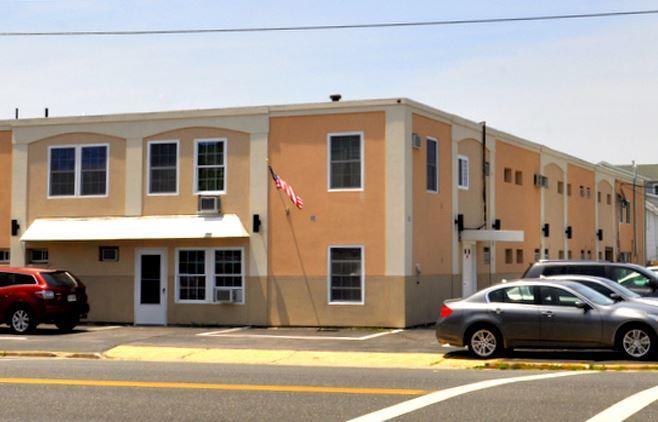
<point>225,387</point>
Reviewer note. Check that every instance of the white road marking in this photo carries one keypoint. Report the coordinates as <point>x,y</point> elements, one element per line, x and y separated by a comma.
<point>227,333</point>
<point>220,332</point>
<point>442,395</point>
<point>12,338</point>
<point>629,406</point>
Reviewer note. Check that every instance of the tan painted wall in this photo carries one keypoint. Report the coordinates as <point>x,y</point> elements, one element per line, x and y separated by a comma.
<point>5,189</point>
<point>518,207</point>
<point>626,230</point>
<point>236,199</point>
<point>580,211</point>
<point>554,210</point>
<point>299,241</point>
<point>470,201</point>
<point>432,212</point>
<point>606,216</point>
<point>38,203</point>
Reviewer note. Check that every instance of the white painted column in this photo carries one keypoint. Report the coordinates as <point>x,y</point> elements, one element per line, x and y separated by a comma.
<point>134,176</point>
<point>454,192</point>
<point>258,197</point>
<point>398,192</point>
<point>19,201</point>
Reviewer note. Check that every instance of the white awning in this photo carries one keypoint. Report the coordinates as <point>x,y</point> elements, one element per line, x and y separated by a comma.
<point>135,228</point>
<point>493,235</point>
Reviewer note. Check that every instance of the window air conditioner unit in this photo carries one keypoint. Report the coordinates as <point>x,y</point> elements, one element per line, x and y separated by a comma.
<point>225,295</point>
<point>541,181</point>
<point>209,205</point>
<point>416,141</point>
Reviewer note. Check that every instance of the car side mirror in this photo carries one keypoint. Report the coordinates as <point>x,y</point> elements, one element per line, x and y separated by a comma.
<point>616,297</point>
<point>582,305</point>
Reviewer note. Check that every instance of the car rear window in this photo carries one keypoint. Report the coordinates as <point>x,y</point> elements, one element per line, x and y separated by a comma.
<point>59,279</point>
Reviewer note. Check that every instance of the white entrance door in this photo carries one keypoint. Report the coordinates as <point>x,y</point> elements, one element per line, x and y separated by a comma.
<point>469,281</point>
<point>151,286</point>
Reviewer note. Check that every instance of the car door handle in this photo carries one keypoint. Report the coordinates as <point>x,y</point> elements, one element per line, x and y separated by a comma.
<point>548,314</point>
<point>498,311</point>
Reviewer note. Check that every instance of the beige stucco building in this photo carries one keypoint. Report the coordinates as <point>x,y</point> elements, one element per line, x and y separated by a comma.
<point>173,217</point>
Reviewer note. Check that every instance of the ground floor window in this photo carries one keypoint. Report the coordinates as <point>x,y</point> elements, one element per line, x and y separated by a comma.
<point>4,256</point>
<point>346,274</point>
<point>210,275</point>
<point>37,256</point>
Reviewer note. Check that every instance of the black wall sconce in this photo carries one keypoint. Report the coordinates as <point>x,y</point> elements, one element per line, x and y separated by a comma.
<point>599,234</point>
<point>569,232</point>
<point>255,224</point>
<point>546,230</point>
<point>460,222</point>
<point>15,227</point>
<point>496,224</point>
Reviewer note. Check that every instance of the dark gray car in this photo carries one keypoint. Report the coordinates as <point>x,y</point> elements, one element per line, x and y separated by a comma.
<point>608,288</point>
<point>547,314</point>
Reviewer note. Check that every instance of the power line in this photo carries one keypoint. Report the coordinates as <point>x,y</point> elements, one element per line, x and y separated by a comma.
<point>329,27</point>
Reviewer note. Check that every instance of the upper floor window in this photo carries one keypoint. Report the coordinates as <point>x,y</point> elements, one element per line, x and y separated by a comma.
<point>346,161</point>
<point>78,170</point>
<point>432,165</point>
<point>163,168</point>
<point>655,189</point>
<point>210,166</point>
<point>463,176</point>
<point>560,187</point>
<point>518,177</point>
<point>507,175</point>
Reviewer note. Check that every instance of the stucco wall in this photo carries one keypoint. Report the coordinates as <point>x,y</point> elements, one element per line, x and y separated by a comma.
<point>39,205</point>
<point>517,206</point>
<point>581,211</point>
<point>5,188</point>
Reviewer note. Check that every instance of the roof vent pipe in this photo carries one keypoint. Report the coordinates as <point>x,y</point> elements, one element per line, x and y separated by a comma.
<point>335,97</point>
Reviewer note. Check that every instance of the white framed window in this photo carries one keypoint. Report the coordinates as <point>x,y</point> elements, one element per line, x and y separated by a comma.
<point>346,274</point>
<point>162,175</point>
<point>78,171</point>
<point>463,179</point>
<point>655,189</point>
<point>432,165</point>
<point>345,161</point>
<point>229,273</point>
<point>202,273</point>
<point>210,166</point>
<point>4,256</point>
<point>37,256</point>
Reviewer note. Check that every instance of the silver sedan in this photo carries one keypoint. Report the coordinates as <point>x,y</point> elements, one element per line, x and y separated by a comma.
<point>545,314</point>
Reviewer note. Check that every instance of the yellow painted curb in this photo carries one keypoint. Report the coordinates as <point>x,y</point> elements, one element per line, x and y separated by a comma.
<point>288,357</point>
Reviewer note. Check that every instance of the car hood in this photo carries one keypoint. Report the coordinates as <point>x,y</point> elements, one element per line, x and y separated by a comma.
<point>653,301</point>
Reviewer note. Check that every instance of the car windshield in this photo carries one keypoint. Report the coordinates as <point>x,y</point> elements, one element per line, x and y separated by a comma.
<point>592,295</point>
<point>59,279</point>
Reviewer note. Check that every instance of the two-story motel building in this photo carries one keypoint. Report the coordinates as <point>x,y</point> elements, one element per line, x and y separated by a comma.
<point>115,199</point>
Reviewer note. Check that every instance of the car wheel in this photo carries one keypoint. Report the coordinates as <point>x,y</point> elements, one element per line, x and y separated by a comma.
<point>21,320</point>
<point>67,325</point>
<point>637,342</point>
<point>485,342</point>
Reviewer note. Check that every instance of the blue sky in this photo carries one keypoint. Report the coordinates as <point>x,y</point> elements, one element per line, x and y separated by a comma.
<point>589,88</point>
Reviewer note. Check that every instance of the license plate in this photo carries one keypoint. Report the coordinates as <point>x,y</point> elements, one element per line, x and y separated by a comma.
<point>71,298</point>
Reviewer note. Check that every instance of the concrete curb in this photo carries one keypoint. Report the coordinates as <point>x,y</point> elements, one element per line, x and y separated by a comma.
<point>567,366</point>
<point>43,354</point>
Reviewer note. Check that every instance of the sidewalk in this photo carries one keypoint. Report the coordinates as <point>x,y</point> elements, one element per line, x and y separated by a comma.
<point>367,348</point>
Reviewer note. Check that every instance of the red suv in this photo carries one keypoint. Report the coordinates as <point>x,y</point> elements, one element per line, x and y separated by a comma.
<point>30,296</point>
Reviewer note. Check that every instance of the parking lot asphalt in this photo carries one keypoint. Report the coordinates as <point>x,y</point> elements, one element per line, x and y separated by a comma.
<point>296,346</point>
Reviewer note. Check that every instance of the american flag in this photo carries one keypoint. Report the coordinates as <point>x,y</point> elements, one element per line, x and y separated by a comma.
<point>283,186</point>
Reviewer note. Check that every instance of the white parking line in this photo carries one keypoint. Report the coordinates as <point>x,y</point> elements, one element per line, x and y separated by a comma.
<point>12,338</point>
<point>220,332</point>
<point>102,328</point>
<point>629,406</point>
<point>227,333</point>
<point>442,395</point>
